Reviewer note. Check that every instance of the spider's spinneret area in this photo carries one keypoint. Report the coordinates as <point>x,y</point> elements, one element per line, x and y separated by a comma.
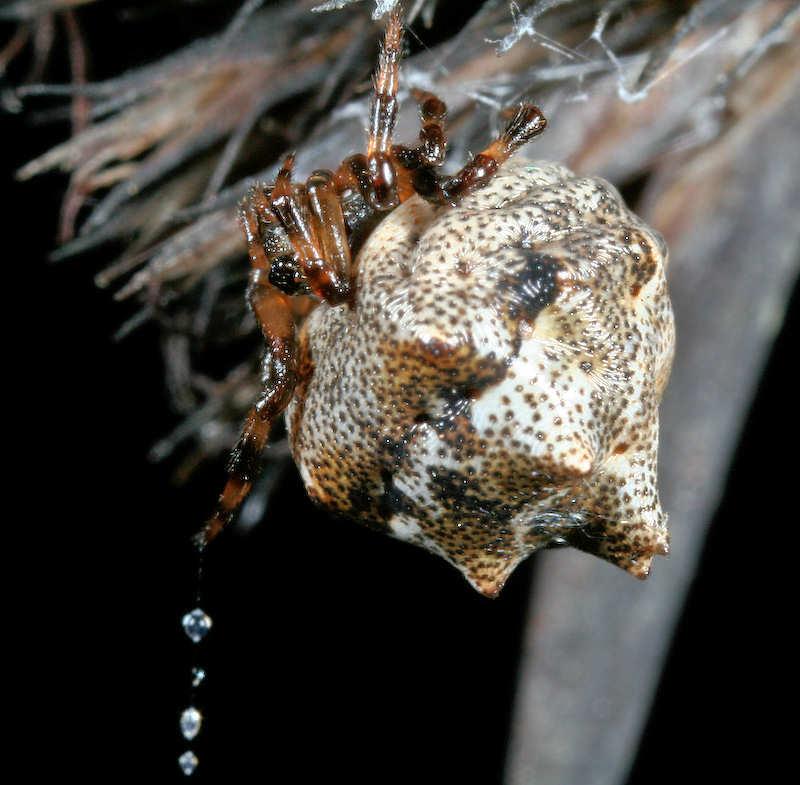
<point>482,372</point>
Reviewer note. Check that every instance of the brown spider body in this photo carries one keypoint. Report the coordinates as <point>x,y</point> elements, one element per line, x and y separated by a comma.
<point>482,374</point>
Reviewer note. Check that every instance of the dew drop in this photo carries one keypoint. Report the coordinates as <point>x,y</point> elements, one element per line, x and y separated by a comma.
<point>188,762</point>
<point>191,720</point>
<point>198,676</point>
<point>196,624</point>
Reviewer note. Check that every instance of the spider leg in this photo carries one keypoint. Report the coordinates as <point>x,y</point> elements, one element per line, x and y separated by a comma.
<point>432,143</point>
<point>383,116</point>
<point>432,136</point>
<point>383,106</point>
<point>373,174</point>
<point>526,123</point>
<point>382,175</point>
<point>301,217</point>
<point>327,220</point>
<point>273,312</point>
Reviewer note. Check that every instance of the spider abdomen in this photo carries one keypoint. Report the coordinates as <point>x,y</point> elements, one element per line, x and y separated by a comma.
<point>493,388</point>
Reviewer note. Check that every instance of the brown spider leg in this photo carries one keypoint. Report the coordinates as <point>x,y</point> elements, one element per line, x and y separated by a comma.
<point>273,312</point>
<point>327,220</point>
<point>373,175</point>
<point>526,123</point>
<point>432,136</point>
<point>290,205</point>
<point>432,142</point>
<point>382,195</point>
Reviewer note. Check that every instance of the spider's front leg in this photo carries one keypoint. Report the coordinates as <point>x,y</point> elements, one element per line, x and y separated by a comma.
<point>273,313</point>
<point>313,223</point>
<point>374,175</point>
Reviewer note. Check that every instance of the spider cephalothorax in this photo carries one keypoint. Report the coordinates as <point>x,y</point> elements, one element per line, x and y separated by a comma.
<point>483,371</point>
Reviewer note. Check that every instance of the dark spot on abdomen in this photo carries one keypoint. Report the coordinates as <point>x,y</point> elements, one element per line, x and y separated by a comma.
<point>534,287</point>
<point>394,501</point>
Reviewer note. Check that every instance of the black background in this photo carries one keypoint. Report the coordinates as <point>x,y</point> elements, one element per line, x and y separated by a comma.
<point>335,652</point>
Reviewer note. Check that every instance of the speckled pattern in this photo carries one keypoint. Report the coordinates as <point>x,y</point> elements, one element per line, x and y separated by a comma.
<point>494,388</point>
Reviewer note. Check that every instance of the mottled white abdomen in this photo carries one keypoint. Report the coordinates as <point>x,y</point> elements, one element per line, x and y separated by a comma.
<point>495,387</point>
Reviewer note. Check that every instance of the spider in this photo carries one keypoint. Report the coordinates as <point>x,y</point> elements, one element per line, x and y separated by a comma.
<point>482,370</point>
